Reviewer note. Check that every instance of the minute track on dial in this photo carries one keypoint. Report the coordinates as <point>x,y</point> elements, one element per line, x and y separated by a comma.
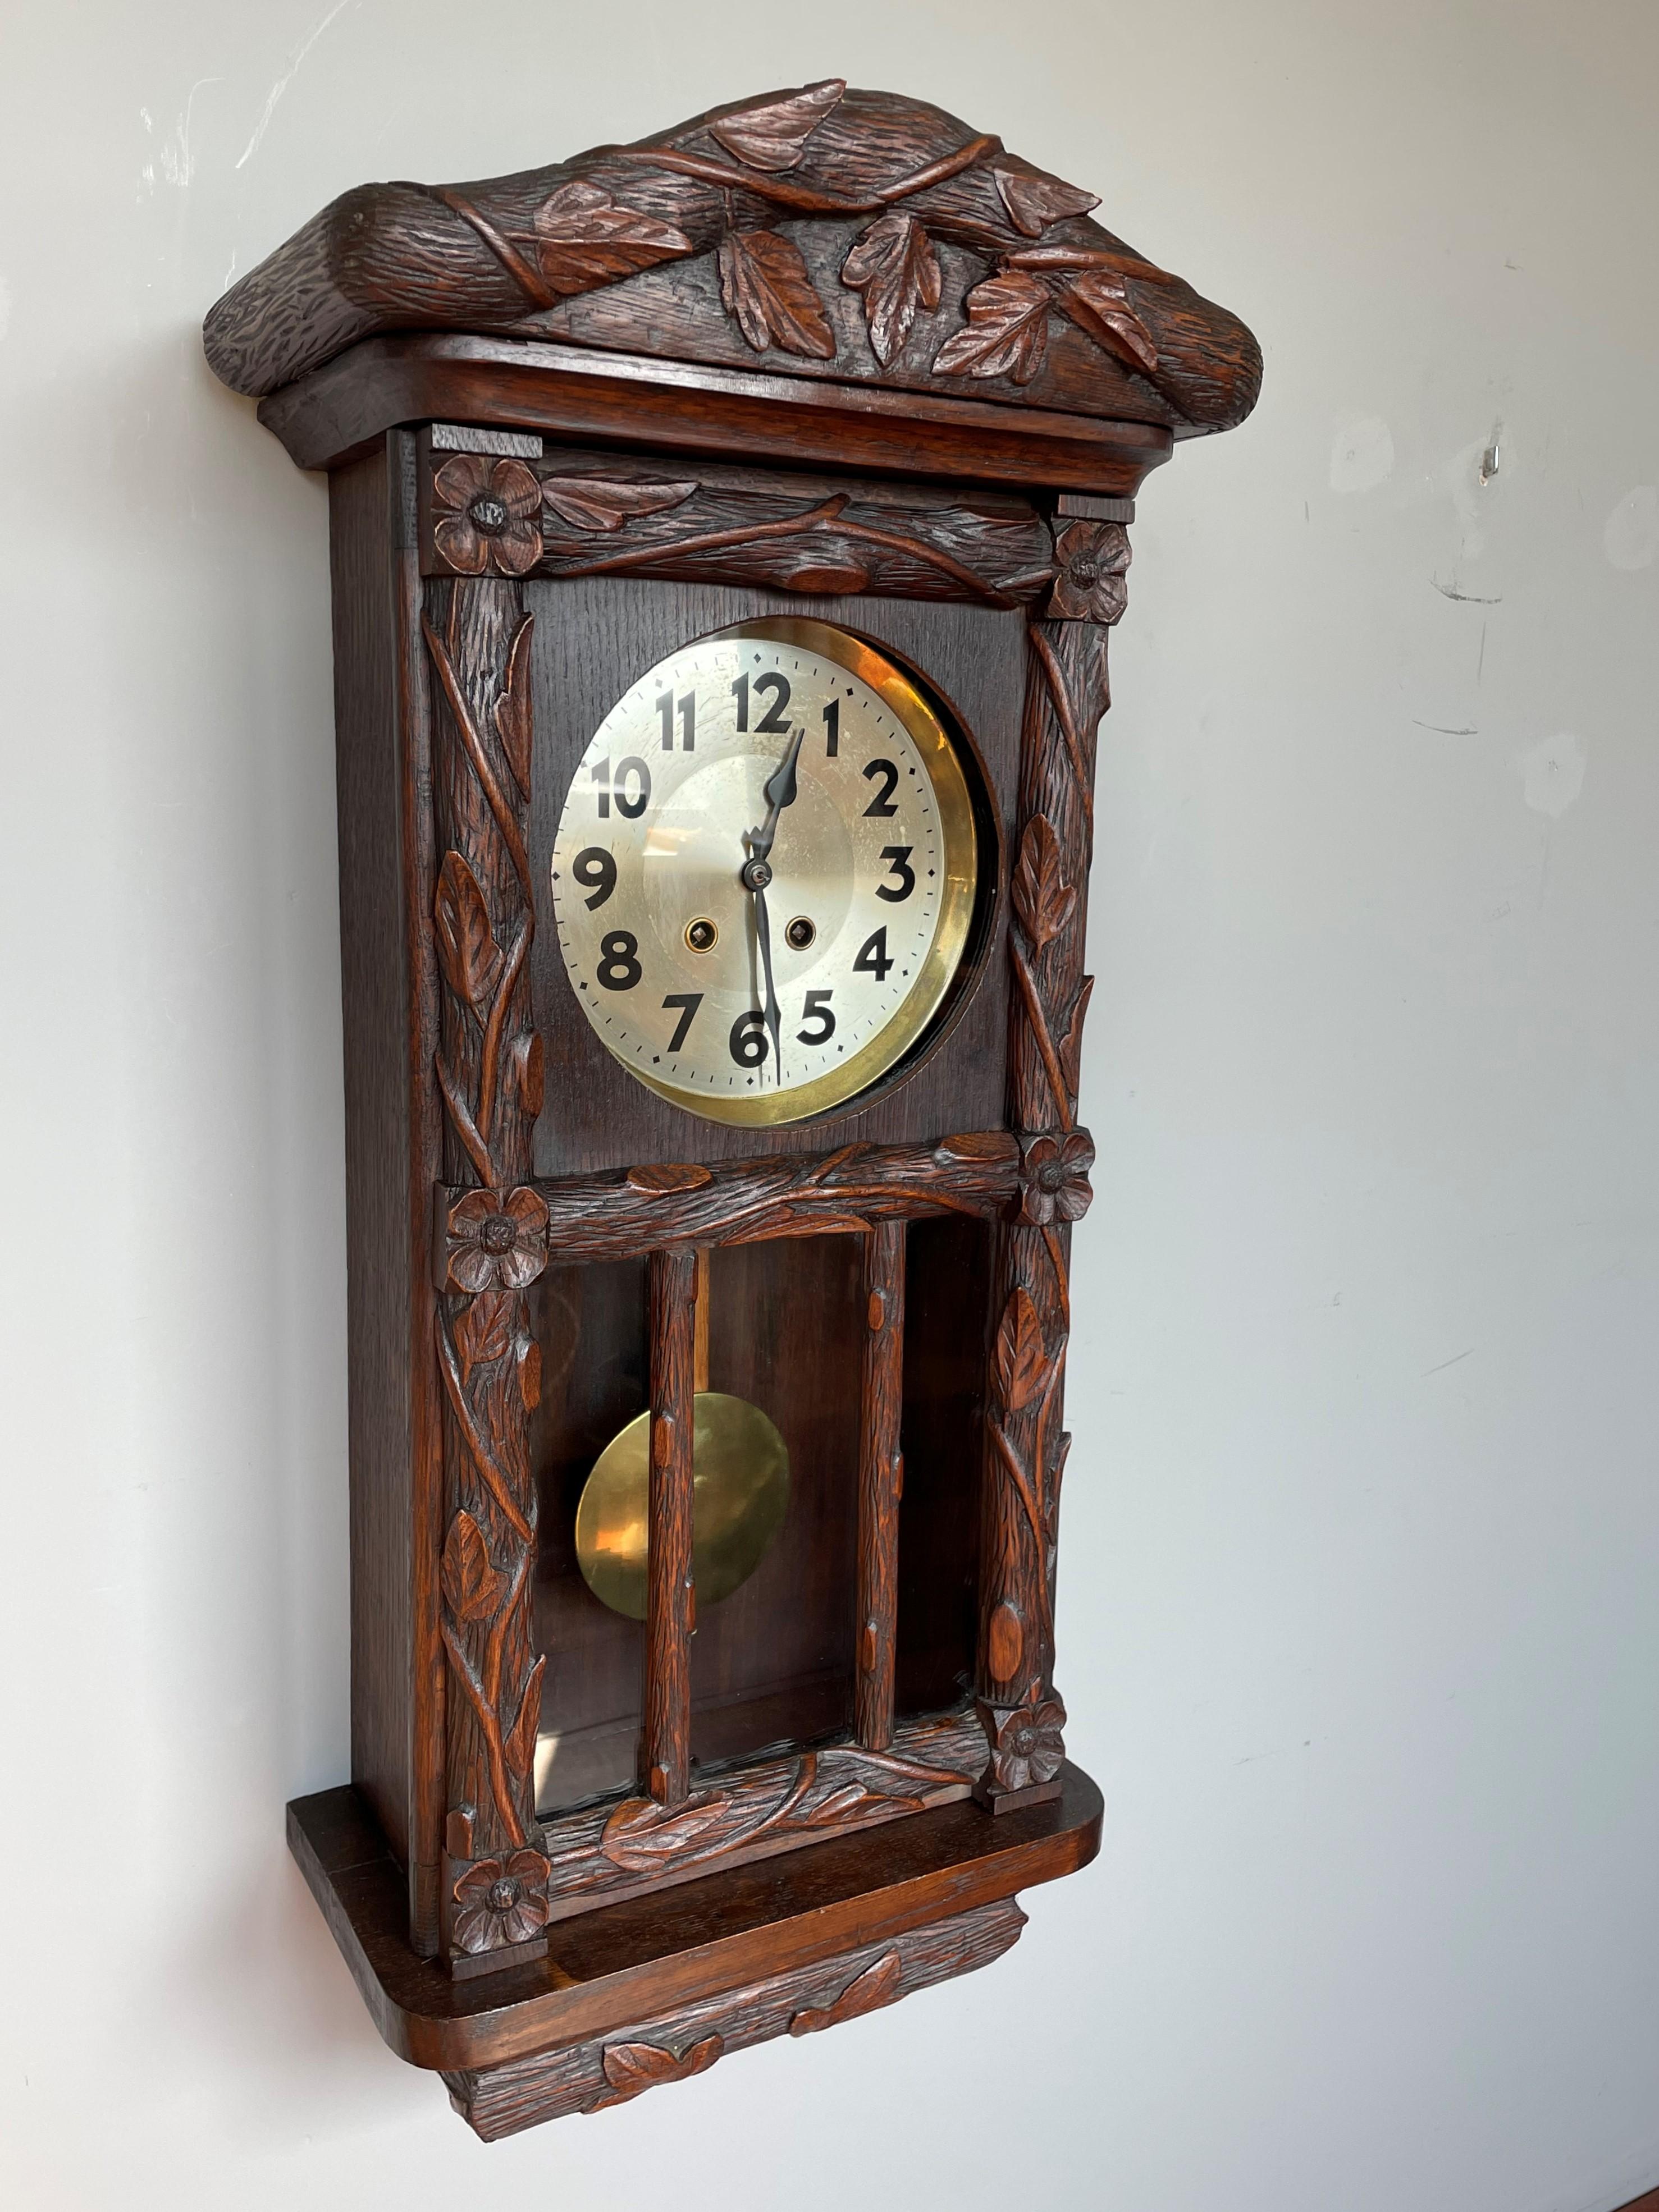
<point>668,944</point>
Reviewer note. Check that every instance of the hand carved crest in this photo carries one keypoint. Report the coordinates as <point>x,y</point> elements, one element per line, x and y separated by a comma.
<point>820,230</point>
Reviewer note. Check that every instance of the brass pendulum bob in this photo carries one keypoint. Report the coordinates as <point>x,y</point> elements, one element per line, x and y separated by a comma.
<point>740,1494</point>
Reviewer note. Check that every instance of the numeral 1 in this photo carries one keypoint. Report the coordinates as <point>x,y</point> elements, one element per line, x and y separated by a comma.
<point>832,730</point>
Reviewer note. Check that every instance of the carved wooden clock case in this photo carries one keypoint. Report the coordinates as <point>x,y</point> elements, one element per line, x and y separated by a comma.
<point>711,1055</point>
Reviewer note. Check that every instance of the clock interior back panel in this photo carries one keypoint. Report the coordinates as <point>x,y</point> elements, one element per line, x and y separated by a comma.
<point>593,639</point>
<point>773,1663</point>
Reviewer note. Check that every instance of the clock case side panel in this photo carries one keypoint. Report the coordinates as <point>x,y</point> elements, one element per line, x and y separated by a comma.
<point>381,721</point>
<point>594,637</point>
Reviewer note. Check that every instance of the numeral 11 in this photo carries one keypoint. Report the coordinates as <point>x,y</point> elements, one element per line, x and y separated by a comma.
<point>688,711</point>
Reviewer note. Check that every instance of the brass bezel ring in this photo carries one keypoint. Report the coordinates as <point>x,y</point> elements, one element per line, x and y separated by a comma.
<point>927,994</point>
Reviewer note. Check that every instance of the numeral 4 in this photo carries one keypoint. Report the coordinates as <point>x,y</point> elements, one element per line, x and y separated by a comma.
<point>873,958</point>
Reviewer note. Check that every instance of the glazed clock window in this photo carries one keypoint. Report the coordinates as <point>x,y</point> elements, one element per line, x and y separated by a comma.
<point>765,871</point>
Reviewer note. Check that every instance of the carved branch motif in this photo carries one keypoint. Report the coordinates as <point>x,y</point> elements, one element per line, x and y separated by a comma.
<point>488,1076</point>
<point>1026,1448</point>
<point>775,1805</point>
<point>605,515</point>
<point>642,2054</point>
<point>966,261</point>
<point>617,1215</point>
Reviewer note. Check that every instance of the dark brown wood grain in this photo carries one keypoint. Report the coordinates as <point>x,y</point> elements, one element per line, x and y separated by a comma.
<point>339,410</point>
<point>644,2054</point>
<point>665,1753</point>
<point>1066,694</point>
<point>620,1214</point>
<point>583,513</point>
<point>644,1957</point>
<point>375,990</point>
<point>759,1810</point>
<point>488,1076</point>
<point>881,242</point>
<point>881,1478</point>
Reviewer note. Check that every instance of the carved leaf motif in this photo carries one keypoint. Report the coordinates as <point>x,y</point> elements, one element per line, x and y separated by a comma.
<point>471,1587</point>
<point>764,286</point>
<point>512,713</point>
<point>773,134</point>
<point>640,1834</point>
<point>1022,1357</point>
<point>530,1374</point>
<point>630,2068</point>
<point>1044,899</point>
<point>484,1330</point>
<point>1070,1045</point>
<point>519,1748</point>
<point>1007,330</point>
<point>593,502</point>
<point>658,1181</point>
<point>1035,199</point>
<point>876,1986</point>
<point>583,239</point>
<point>838,1804</point>
<point>470,957</point>
<point>894,265</point>
<point>1097,302</point>
<point>977,1144</point>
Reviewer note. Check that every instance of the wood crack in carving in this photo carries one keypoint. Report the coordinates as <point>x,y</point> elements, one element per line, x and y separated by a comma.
<point>488,1074</point>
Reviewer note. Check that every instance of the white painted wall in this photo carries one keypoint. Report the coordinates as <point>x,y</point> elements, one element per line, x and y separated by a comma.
<point>1362,1532</point>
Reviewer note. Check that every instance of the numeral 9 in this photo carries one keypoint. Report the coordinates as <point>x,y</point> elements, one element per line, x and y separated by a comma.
<point>595,871</point>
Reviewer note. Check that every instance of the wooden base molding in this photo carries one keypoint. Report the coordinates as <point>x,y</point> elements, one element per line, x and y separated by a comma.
<point>585,2077</point>
<point>657,1959</point>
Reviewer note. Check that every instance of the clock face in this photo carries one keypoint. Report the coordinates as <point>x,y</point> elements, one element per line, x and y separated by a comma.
<point>765,871</point>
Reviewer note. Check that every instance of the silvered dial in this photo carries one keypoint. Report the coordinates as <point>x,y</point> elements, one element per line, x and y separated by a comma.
<point>764,872</point>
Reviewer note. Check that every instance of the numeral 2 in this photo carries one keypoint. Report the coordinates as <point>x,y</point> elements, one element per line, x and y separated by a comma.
<point>882,803</point>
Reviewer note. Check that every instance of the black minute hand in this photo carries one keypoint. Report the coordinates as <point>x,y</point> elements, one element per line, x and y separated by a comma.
<point>756,873</point>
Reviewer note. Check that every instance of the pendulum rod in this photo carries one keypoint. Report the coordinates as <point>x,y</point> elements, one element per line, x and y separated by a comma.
<point>881,1482</point>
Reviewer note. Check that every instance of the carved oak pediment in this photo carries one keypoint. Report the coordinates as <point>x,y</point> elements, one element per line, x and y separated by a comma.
<point>823,232</point>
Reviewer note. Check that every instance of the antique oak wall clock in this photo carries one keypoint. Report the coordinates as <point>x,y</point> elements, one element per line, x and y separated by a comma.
<point>727,532</point>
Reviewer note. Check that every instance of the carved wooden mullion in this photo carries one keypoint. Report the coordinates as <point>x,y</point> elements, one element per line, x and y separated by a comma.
<point>671,1597</point>
<point>881,1483</point>
<point>1066,694</point>
<point>488,1076</point>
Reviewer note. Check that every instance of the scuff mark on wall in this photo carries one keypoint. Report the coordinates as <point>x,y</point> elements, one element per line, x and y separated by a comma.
<point>283,82</point>
<point>1362,455</point>
<point>1553,774</point>
<point>1631,539</point>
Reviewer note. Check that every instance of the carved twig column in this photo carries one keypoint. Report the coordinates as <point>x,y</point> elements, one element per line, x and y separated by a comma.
<point>671,1595</point>
<point>1066,696</point>
<point>488,1074</point>
<point>880,1480</point>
